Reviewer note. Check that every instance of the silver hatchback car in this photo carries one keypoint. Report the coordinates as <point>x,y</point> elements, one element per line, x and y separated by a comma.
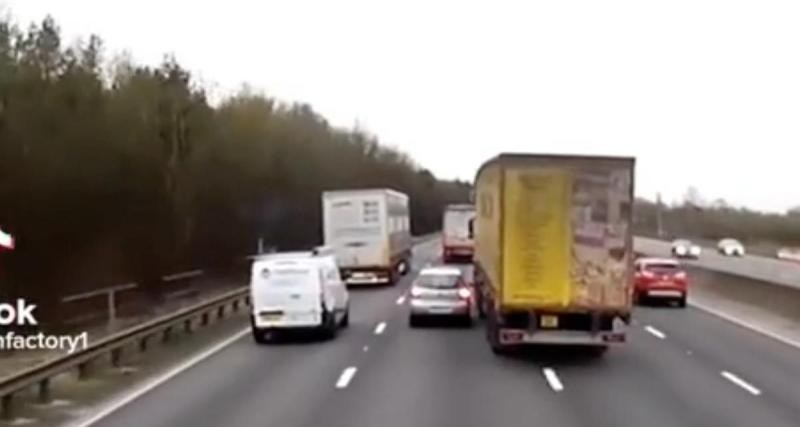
<point>441,292</point>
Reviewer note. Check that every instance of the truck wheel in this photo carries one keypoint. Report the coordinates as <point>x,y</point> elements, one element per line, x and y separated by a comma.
<point>403,267</point>
<point>598,351</point>
<point>493,337</point>
<point>479,305</point>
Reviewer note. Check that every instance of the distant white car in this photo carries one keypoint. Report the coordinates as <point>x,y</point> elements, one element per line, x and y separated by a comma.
<point>683,248</point>
<point>297,290</point>
<point>730,247</point>
<point>789,254</point>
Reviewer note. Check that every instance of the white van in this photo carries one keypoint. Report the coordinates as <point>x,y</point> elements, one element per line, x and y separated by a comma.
<point>370,232</point>
<point>457,235</point>
<point>297,290</point>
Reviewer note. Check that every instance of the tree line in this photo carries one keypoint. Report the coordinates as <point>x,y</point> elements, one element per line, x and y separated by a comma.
<point>113,171</point>
<point>716,222</point>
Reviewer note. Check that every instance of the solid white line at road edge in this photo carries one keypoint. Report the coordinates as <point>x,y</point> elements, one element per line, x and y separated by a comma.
<point>346,376</point>
<point>552,379</point>
<point>741,383</point>
<point>146,388</point>
<point>745,324</point>
<point>380,328</point>
<point>655,332</point>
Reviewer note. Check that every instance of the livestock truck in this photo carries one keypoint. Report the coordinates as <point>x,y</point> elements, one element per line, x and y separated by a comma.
<point>370,233</point>
<point>554,250</point>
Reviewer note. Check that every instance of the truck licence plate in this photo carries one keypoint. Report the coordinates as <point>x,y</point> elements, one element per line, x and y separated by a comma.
<point>548,321</point>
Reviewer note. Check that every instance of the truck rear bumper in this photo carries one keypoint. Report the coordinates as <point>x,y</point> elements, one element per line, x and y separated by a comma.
<point>522,336</point>
<point>372,280</point>
<point>367,276</point>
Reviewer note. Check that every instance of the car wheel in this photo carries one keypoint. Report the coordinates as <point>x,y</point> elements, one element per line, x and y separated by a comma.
<point>466,321</point>
<point>682,301</point>
<point>413,321</point>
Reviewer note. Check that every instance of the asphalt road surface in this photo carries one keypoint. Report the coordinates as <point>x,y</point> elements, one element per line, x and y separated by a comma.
<point>682,367</point>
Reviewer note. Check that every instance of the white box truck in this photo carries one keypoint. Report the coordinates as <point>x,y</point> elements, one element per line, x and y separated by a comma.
<point>370,233</point>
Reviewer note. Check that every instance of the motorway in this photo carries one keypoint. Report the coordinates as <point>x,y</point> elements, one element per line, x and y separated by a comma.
<point>680,368</point>
<point>756,267</point>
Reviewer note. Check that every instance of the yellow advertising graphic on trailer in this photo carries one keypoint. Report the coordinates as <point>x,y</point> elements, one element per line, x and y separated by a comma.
<point>537,237</point>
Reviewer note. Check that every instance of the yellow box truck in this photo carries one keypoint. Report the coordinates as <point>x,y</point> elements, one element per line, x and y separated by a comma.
<point>554,250</point>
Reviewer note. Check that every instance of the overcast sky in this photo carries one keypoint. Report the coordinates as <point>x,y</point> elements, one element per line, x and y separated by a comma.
<point>703,93</point>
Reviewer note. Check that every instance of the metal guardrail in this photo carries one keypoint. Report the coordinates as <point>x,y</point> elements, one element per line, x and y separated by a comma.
<point>113,345</point>
<point>111,302</point>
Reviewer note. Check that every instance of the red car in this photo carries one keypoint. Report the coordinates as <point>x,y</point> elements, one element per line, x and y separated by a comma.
<point>659,278</point>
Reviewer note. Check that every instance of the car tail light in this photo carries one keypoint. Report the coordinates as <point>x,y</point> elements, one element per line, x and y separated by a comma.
<point>648,274</point>
<point>415,292</point>
<point>464,293</point>
<point>681,275</point>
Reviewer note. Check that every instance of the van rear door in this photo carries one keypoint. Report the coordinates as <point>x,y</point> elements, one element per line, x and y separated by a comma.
<point>287,293</point>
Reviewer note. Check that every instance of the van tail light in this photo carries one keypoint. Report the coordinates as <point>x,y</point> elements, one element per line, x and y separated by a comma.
<point>464,293</point>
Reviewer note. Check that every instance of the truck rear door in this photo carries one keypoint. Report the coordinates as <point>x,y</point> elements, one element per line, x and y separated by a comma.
<point>354,227</point>
<point>458,227</point>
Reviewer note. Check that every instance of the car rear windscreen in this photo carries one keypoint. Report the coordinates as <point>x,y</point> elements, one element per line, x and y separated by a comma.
<point>438,281</point>
<point>663,268</point>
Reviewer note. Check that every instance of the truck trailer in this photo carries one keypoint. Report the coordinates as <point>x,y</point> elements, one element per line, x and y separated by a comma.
<point>370,233</point>
<point>554,249</point>
<point>457,232</point>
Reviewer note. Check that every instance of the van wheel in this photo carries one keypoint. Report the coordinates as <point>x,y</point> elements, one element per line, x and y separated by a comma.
<point>259,336</point>
<point>328,326</point>
<point>345,322</point>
